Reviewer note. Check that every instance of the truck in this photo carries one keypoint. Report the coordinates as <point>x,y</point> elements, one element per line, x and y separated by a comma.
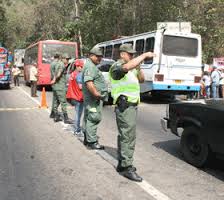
<point>18,58</point>
<point>199,124</point>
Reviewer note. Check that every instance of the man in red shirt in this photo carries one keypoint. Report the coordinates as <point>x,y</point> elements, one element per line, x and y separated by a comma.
<point>74,94</point>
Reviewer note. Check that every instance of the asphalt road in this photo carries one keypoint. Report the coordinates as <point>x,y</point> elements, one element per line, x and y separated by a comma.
<point>42,160</point>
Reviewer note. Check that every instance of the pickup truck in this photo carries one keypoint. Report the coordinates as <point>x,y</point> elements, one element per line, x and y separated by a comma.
<point>202,125</point>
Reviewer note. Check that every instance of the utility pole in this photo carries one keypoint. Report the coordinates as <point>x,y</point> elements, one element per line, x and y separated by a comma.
<point>77,17</point>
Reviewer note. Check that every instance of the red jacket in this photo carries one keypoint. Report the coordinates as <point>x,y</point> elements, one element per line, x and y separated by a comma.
<point>74,92</point>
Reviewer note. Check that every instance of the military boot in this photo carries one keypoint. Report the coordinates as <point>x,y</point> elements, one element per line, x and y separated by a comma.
<point>52,115</point>
<point>57,117</point>
<point>66,119</point>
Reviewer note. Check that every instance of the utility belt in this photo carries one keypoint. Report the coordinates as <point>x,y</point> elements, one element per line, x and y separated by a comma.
<point>122,103</point>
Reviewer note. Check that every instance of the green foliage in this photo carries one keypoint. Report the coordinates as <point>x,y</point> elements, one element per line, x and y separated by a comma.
<point>23,22</point>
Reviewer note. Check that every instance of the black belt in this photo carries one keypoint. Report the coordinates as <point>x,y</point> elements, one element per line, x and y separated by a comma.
<point>131,104</point>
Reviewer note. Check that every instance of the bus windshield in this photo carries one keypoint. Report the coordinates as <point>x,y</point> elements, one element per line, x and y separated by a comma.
<point>180,46</point>
<point>49,51</point>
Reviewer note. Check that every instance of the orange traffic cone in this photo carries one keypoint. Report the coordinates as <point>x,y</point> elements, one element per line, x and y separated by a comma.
<point>43,99</point>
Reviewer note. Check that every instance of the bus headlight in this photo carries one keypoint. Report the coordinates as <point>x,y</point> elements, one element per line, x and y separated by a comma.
<point>159,77</point>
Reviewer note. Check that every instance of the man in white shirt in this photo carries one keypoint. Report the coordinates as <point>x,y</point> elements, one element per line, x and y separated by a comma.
<point>16,72</point>
<point>215,78</point>
<point>33,79</point>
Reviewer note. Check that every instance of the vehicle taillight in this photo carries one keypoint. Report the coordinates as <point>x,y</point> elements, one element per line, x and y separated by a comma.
<point>159,77</point>
<point>197,79</point>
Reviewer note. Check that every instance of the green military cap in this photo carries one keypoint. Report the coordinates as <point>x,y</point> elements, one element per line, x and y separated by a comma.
<point>127,48</point>
<point>57,54</point>
<point>65,55</point>
<point>96,51</point>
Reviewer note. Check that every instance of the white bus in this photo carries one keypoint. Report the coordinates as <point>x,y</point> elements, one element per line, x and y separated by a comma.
<point>177,67</point>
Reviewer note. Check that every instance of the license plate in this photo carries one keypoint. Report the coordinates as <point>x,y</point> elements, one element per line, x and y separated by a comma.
<point>178,81</point>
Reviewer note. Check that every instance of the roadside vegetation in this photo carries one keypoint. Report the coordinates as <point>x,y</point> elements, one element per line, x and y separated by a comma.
<point>23,22</point>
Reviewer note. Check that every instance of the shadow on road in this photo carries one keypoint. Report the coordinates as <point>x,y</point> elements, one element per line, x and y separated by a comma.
<point>171,146</point>
<point>214,168</point>
<point>157,100</point>
<point>111,151</point>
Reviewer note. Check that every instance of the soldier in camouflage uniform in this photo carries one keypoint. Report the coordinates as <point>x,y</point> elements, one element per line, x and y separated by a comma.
<point>94,92</point>
<point>54,99</point>
<point>59,89</point>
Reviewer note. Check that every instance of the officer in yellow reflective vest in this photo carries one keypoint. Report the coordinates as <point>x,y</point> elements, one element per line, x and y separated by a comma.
<point>125,75</point>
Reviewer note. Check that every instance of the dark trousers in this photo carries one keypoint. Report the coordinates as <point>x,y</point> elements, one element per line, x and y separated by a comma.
<point>33,88</point>
<point>16,80</point>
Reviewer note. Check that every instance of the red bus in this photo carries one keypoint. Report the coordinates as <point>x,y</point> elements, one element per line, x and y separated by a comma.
<point>42,54</point>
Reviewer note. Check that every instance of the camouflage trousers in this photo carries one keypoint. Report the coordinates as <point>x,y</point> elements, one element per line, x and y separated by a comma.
<point>59,97</point>
<point>92,117</point>
<point>126,123</point>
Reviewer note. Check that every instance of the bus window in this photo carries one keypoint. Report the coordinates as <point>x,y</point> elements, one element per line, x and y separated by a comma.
<point>31,55</point>
<point>116,53</point>
<point>103,50</point>
<point>139,46</point>
<point>108,52</point>
<point>149,46</point>
<point>49,51</point>
<point>129,42</point>
<point>180,46</point>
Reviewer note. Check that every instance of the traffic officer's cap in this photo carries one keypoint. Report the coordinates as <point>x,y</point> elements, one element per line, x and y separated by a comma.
<point>65,55</point>
<point>96,51</point>
<point>127,48</point>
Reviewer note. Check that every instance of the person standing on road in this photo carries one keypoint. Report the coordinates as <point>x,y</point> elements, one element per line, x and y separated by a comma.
<point>206,80</point>
<point>33,79</point>
<point>221,82</point>
<point>215,78</point>
<point>16,72</point>
<point>74,94</point>
<point>94,91</point>
<point>125,75</point>
<point>59,89</point>
<point>54,99</point>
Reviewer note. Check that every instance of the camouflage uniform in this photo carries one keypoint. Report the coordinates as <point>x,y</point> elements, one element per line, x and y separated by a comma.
<point>92,106</point>
<point>59,88</point>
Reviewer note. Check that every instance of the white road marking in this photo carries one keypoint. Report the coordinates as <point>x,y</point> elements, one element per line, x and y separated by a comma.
<point>148,188</point>
<point>16,109</point>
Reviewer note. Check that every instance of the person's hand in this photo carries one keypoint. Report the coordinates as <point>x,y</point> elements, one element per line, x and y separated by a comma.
<point>98,96</point>
<point>150,54</point>
<point>104,96</point>
<point>52,82</point>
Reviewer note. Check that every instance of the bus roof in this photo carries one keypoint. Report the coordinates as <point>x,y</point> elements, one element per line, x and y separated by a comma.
<point>148,33</point>
<point>126,37</point>
<point>51,42</point>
